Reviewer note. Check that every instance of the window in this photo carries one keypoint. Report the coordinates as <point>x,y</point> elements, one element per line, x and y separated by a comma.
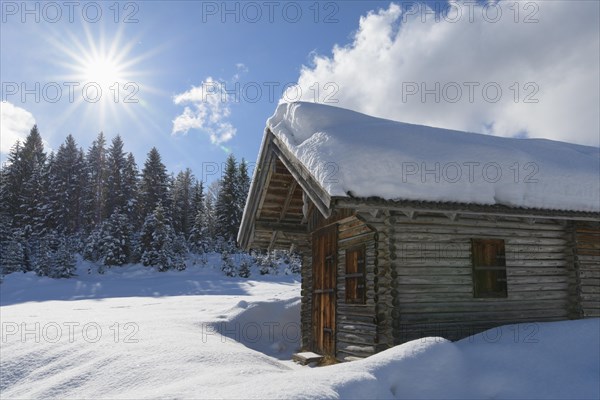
<point>355,275</point>
<point>489,268</point>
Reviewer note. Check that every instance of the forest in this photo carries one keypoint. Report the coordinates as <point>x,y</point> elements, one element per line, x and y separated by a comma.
<point>97,204</point>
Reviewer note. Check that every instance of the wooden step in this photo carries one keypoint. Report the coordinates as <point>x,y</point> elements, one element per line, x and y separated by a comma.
<point>307,357</point>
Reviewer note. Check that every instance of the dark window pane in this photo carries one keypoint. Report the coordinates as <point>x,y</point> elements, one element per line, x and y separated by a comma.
<point>355,275</point>
<point>489,268</point>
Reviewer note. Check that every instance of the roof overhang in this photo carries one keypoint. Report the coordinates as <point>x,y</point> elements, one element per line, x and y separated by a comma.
<point>275,208</point>
<point>275,212</point>
<point>453,210</point>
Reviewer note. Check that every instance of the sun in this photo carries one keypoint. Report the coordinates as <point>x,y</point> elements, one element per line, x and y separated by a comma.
<point>104,76</point>
<point>103,70</point>
<point>100,65</point>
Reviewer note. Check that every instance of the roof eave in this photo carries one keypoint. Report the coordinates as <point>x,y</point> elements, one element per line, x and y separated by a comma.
<point>463,208</point>
<point>272,147</point>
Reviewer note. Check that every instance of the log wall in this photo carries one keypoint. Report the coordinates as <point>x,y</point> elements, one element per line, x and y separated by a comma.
<point>432,282</point>
<point>420,283</point>
<point>356,333</point>
<point>306,301</point>
<point>587,263</point>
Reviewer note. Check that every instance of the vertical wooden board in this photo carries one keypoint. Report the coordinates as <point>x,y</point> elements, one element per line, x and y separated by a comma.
<point>587,264</point>
<point>324,284</point>
<point>307,302</point>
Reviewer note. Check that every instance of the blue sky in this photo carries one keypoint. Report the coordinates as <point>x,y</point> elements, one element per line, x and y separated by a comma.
<point>165,49</point>
<point>174,45</point>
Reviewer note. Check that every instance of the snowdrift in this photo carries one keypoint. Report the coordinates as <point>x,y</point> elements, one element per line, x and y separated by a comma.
<point>527,361</point>
<point>269,327</point>
<point>218,337</point>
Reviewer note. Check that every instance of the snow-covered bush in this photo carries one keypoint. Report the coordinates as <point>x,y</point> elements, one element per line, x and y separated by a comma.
<point>53,256</point>
<point>115,245</point>
<point>227,264</point>
<point>294,264</point>
<point>266,264</point>
<point>12,257</point>
<point>157,243</point>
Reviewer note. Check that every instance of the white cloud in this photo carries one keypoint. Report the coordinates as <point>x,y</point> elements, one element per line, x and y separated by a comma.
<point>241,69</point>
<point>208,107</point>
<point>15,124</point>
<point>555,61</point>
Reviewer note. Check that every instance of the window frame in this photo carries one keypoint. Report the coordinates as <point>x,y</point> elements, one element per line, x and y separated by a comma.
<point>360,293</point>
<point>489,277</point>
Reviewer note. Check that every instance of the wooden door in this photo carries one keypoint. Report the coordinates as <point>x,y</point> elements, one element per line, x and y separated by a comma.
<point>324,263</point>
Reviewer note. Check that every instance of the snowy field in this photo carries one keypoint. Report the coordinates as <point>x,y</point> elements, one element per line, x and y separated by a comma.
<point>134,333</point>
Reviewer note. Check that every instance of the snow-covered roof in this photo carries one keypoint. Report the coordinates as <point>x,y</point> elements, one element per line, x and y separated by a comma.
<point>354,155</point>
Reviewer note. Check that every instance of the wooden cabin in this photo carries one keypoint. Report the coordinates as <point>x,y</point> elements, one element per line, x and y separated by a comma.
<point>380,270</point>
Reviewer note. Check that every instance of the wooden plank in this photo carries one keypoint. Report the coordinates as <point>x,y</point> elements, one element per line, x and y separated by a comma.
<point>356,349</point>
<point>355,231</point>
<point>468,221</point>
<point>464,317</point>
<point>280,226</point>
<point>413,298</point>
<point>284,210</point>
<point>323,293</point>
<point>312,188</point>
<point>354,241</point>
<point>356,338</point>
<point>350,223</point>
<point>477,230</point>
<point>497,306</point>
<point>307,357</point>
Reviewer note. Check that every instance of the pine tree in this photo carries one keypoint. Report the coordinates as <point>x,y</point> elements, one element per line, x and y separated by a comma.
<point>115,243</point>
<point>130,190</point>
<point>93,243</point>
<point>12,258</point>
<point>242,188</point>
<point>32,204</point>
<point>48,203</point>
<point>295,264</point>
<point>96,190</point>
<point>67,183</point>
<point>198,197</point>
<point>63,260</point>
<point>43,254</point>
<point>180,251</point>
<point>12,183</point>
<point>33,150</point>
<point>199,238</point>
<point>52,256</point>
<point>226,208</point>
<point>21,179</point>
<point>244,268</point>
<point>266,264</point>
<point>5,236</point>
<point>27,241</point>
<point>182,202</point>
<point>227,265</point>
<point>156,242</point>
<point>154,183</point>
<point>115,183</point>
<point>32,162</point>
<point>211,214</point>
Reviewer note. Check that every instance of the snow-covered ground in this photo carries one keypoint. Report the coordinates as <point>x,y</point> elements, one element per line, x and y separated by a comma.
<point>137,333</point>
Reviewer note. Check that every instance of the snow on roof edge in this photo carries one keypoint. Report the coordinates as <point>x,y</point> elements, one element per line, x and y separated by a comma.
<point>355,155</point>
